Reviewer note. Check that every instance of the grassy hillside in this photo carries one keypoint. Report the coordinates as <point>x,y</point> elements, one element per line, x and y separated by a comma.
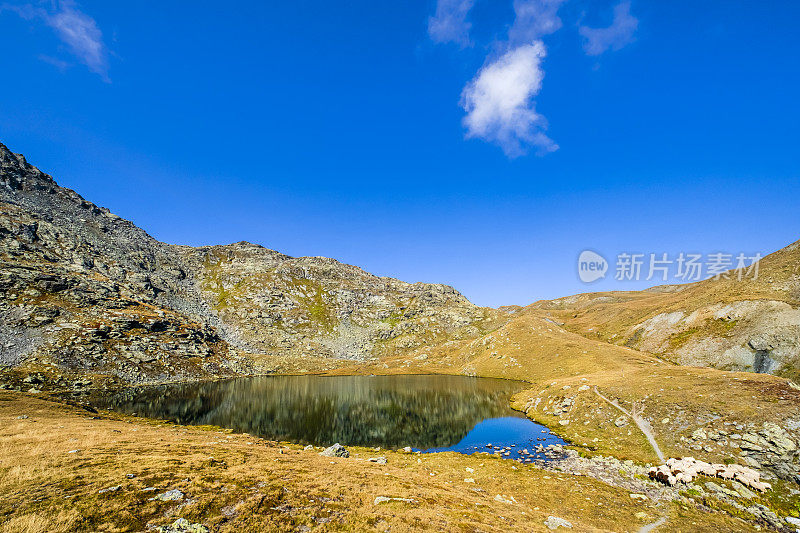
<point>751,325</point>
<point>561,365</point>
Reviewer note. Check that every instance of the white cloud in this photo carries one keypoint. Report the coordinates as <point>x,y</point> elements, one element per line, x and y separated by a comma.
<point>449,23</point>
<point>74,28</point>
<point>80,32</point>
<point>533,19</point>
<point>614,37</point>
<point>499,102</point>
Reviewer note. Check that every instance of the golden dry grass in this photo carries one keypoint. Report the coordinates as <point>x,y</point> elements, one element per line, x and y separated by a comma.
<point>242,483</point>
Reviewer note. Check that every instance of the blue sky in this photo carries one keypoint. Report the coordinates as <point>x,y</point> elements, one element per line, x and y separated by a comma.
<point>483,144</point>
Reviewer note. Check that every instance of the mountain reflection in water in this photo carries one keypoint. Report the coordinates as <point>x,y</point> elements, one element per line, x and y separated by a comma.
<point>389,411</point>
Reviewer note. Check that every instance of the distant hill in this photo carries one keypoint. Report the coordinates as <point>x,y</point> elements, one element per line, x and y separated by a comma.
<point>730,324</point>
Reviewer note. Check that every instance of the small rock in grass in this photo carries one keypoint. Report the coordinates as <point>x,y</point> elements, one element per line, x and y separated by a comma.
<point>337,450</point>
<point>169,496</point>
<point>554,522</point>
<point>181,525</point>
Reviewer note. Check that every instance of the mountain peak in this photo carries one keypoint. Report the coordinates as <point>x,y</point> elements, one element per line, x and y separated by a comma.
<point>17,174</point>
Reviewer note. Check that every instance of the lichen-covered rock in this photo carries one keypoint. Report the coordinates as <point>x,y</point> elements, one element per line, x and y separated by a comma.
<point>181,525</point>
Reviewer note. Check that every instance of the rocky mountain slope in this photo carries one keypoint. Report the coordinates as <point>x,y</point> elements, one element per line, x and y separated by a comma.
<point>86,291</point>
<point>270,303</point>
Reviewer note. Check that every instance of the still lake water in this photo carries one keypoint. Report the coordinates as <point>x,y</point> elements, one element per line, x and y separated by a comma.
<point>428,413</point>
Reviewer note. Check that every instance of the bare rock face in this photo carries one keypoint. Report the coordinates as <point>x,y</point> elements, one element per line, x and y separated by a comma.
<point>84,290</point>
<point>87,292</point>
<point>758,336</point>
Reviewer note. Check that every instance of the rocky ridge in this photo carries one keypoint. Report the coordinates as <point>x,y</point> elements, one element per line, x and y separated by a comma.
<point>315,305</point>
<point>84,290</point>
